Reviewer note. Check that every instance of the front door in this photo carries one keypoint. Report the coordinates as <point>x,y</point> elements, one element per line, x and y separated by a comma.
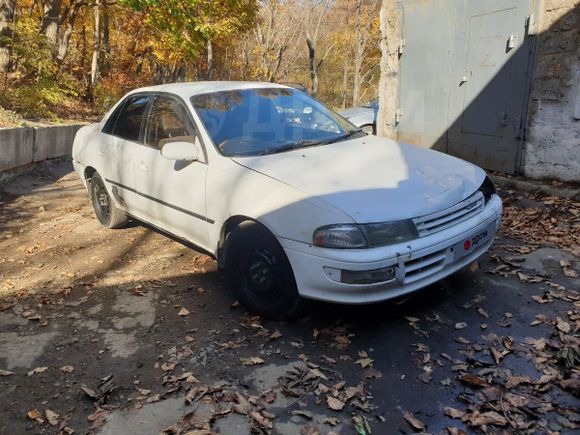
<point>172,192</point>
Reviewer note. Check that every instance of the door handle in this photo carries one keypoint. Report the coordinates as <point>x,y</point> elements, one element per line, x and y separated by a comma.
<point>144,167</point>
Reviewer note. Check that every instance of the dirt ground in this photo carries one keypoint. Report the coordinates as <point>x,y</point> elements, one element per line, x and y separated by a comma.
<point>128,332</point>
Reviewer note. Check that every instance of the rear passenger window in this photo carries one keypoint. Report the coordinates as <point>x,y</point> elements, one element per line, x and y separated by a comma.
<point>128,125</point>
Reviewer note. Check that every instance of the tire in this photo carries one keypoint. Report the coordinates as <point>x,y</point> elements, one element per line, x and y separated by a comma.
<point>259,273</point>
<point>107,212</point>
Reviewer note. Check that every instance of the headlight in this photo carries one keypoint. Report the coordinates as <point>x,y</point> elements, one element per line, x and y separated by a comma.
<point>352,236</point>
<point>340,237</point>
<point>389,233</point>
<point>488,189</point>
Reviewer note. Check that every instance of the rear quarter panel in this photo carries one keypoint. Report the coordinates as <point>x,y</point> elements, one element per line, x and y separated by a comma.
<point>84,151</point>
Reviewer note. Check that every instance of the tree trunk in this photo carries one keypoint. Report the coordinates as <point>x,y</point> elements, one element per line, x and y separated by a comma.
<point>51,21</point>
<point>387,83</point>
<point>106,61</point>
<point>96,44</point>
<point>313,68</point>
<point>345,61</point>
<point>64,39</point>
<point>358,54</point>
<point>7,8</point>
<point>209,59</point>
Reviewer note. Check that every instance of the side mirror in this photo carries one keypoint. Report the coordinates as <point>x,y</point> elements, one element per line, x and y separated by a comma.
<point>180,151</point>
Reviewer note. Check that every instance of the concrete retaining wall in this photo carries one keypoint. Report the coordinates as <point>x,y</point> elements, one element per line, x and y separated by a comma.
<point>25,145</point>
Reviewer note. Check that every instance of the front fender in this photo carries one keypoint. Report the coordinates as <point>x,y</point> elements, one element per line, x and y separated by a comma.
<point>287,212</point>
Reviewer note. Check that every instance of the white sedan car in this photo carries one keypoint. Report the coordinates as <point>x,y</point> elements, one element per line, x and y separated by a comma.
<point>290,198</point>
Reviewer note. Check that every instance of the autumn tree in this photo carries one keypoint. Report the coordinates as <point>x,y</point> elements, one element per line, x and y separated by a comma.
<point>188,28</point>
<point>363,39</point>
<point>316,11</point>
<point>7,8</point>
<point>77,57</point>
<point>276,39</point>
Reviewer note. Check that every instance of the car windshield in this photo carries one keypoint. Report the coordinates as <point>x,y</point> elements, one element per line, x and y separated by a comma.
<point>253,122</point>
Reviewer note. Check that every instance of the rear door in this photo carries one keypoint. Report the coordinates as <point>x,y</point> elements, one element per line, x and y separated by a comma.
<point>172,192</point>
<point>122,150</point>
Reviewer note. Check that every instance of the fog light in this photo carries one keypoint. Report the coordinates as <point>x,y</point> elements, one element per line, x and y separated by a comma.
<point>367,276</point>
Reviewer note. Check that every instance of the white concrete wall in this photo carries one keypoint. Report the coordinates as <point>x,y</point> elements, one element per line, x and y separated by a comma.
<point>25,145</point>
<point>552,148</point>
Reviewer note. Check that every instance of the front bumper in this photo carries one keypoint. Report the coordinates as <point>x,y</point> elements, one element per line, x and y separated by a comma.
<point>417,263</point>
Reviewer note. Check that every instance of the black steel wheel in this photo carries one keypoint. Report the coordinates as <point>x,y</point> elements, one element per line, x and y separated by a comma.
<point>107,212</point>
<point>259,272</point>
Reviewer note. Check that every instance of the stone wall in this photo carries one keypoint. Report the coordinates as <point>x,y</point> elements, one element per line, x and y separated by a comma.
<point>552,148</point>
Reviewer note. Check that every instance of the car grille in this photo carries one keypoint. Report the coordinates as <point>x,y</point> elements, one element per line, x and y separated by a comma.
<point>441,220</point>
<point>422,267</point>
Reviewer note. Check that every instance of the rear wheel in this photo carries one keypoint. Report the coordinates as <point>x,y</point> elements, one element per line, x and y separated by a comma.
<point>259,273</point>
<point>107,212</point>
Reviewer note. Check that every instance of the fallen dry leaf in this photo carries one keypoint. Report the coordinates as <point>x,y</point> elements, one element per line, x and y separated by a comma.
<point>460,325</point>
<point>37,370</point>
<point>152,399</point>
<point>473,380</point>
<point>373,374</point>
<point>476,419</point>
<point>67,369</point>
<point>275,335</point>
<point>413,421</point>
<point>365,362</point>
<point>453,413</point>
<point>309,430</point>
<point>261,420</point>
<point>6,373</point>
<point>168,366</point>
<point>35,414</point>
<point>334,404</point>
<point>562,325</point>
<point>183,312</point>
<point>52,417</point>
<point>304,414</point>
<point>571,385</point>
<point>332,421</point>
<point>483,313</point>
<point>252,361</point>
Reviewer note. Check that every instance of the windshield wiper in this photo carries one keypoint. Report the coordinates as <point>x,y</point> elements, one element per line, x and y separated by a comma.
<point>293,146</point>
<point>310,143</point>
<point>346,136</point>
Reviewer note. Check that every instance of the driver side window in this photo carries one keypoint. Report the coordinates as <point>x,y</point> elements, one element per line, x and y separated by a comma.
<point>168,122</point>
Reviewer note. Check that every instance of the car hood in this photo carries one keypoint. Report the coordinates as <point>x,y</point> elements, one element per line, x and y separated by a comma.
<point>356,111</point>
<point>373,179</point>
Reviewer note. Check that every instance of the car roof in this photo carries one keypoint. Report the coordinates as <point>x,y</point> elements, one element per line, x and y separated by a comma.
<point>190,89</point>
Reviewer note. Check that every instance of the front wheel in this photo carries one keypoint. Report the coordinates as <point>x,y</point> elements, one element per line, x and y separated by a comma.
<point>259,273</point>
<point>107,212</point>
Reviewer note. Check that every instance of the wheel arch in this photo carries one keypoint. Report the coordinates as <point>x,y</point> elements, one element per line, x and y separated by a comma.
<point>89,172</point>
<point>227,227</point>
